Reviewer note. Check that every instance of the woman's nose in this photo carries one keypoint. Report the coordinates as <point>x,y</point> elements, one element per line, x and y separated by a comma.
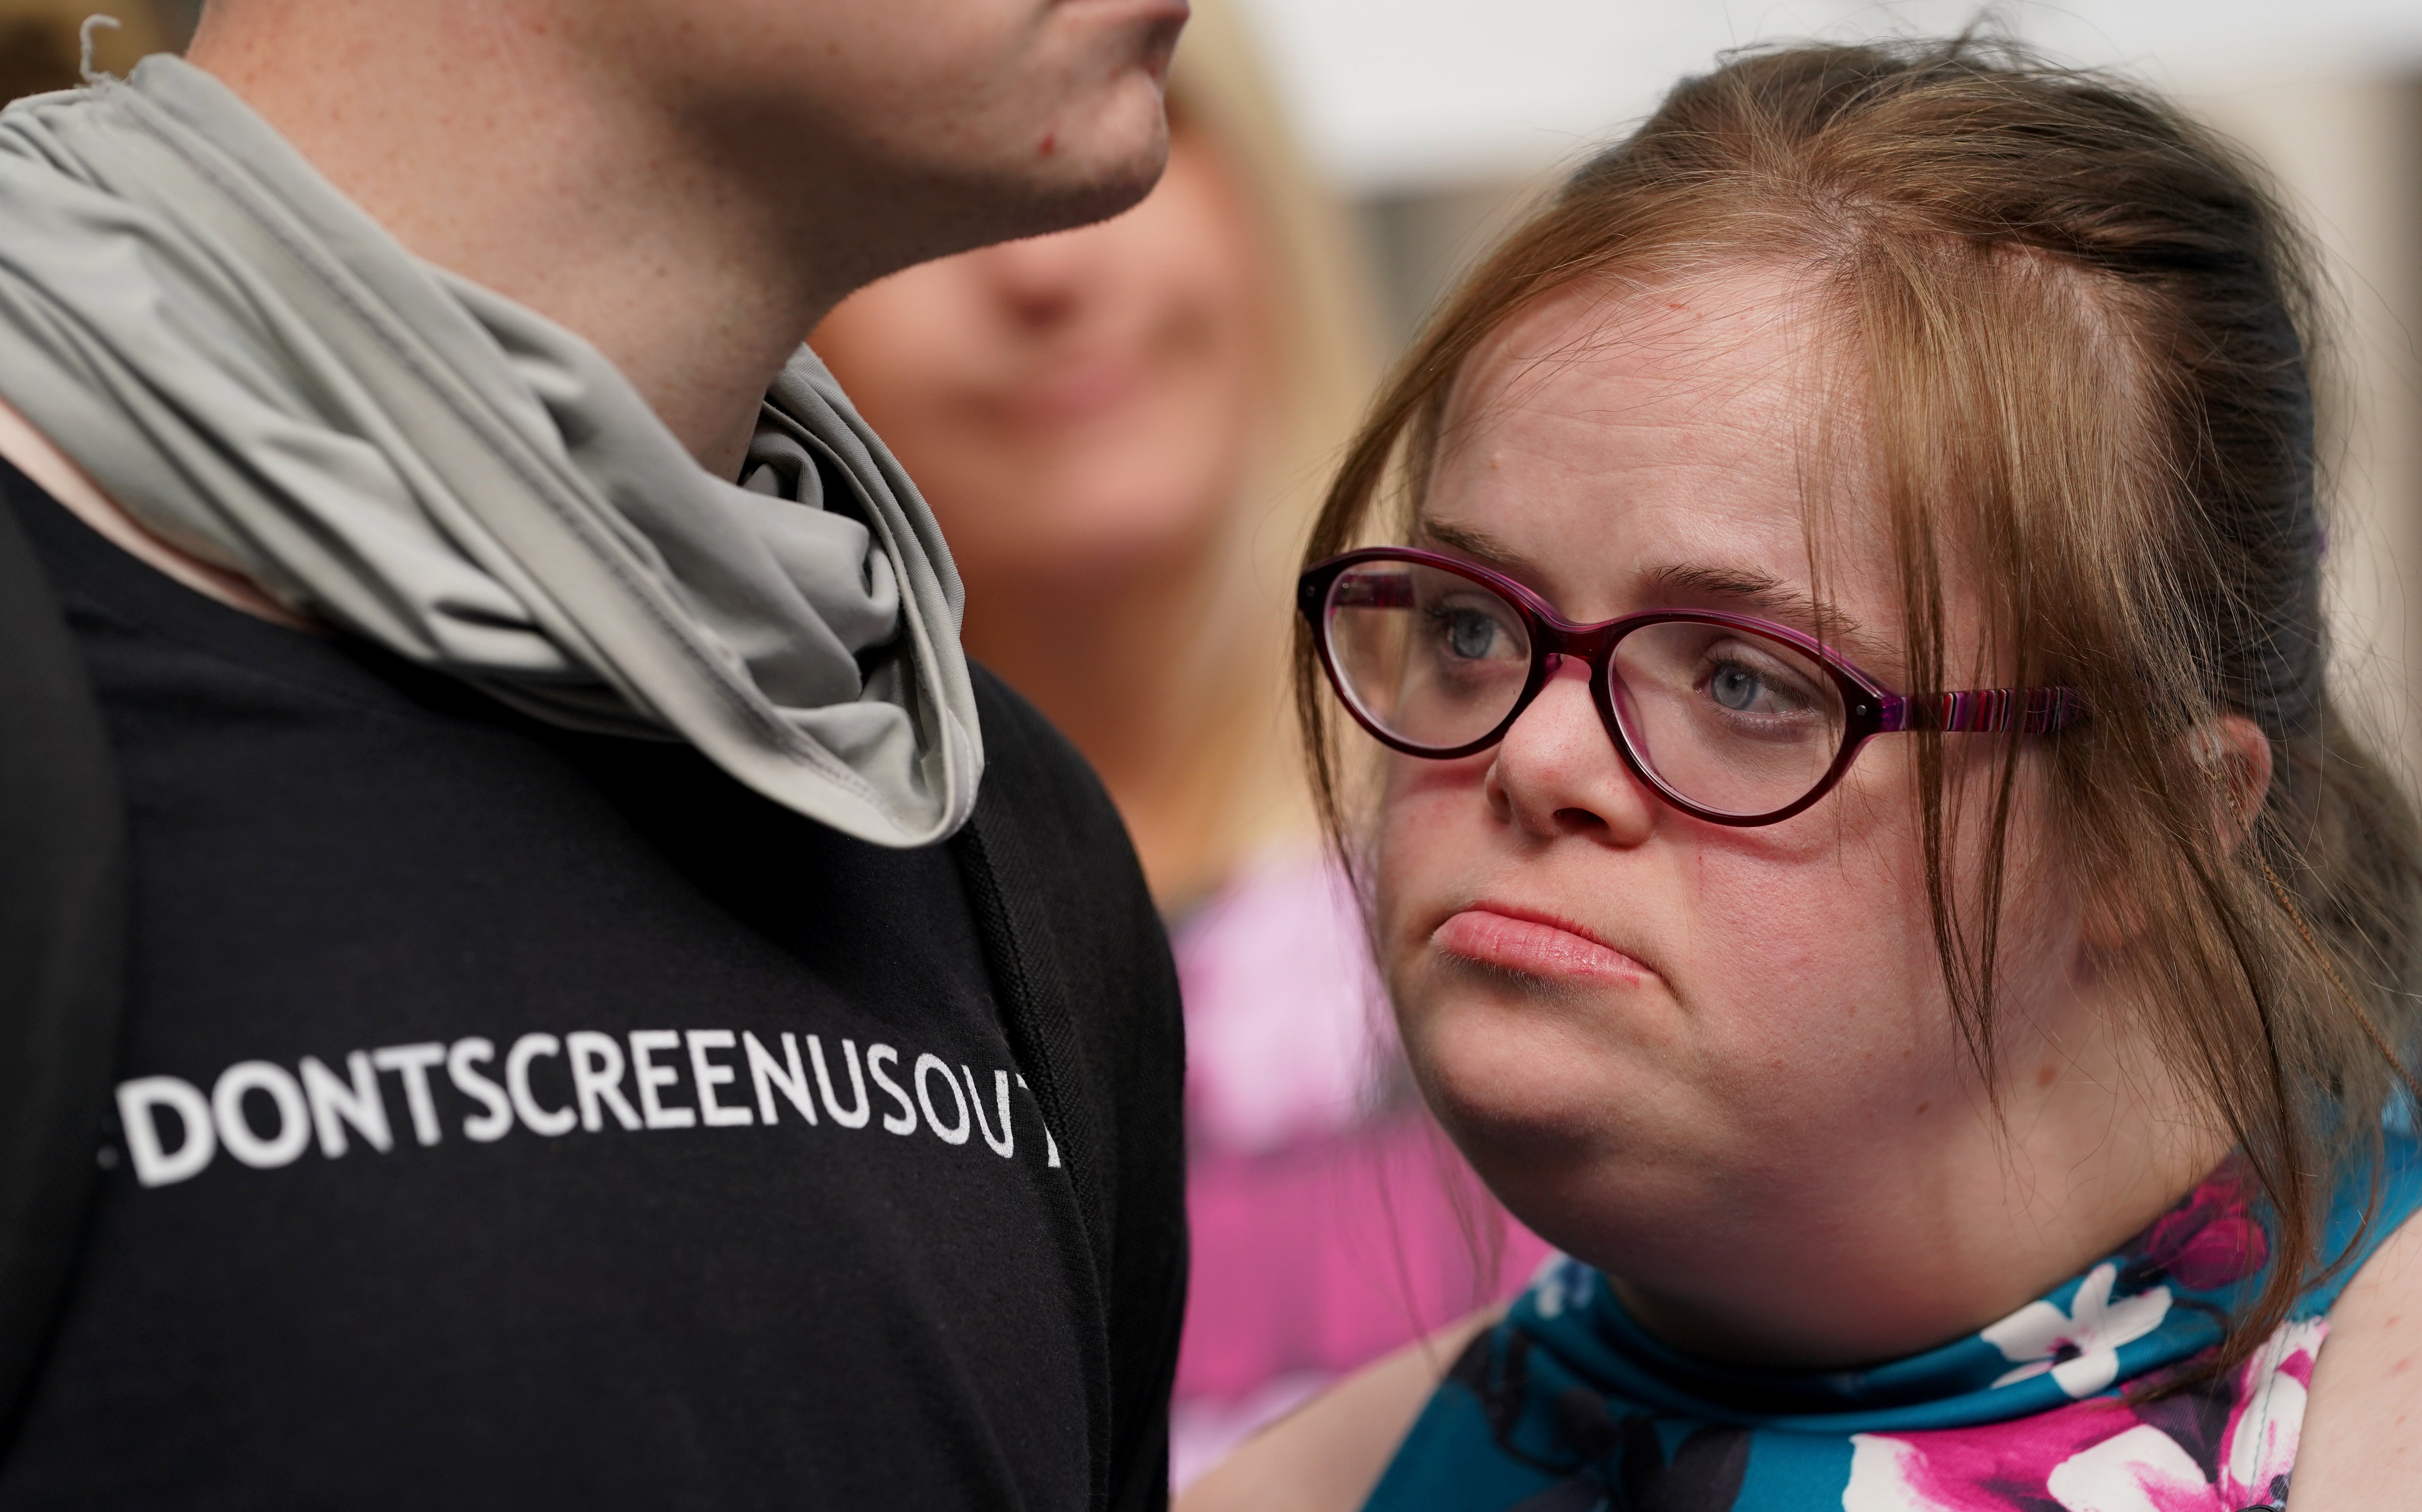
<point>1042,281</point>
<point>1557,771</point>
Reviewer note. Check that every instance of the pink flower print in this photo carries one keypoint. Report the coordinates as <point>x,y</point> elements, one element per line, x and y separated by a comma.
<point>2209,1239</point>
<point>2100,1455</point>
<point>1988,1467</point>
<point>2268,1418</point>
<point>2081,1347</point>
<point>2143,1470</point>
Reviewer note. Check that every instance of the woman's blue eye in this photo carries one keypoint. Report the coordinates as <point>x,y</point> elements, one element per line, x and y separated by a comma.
<point>1471,635</point>
<point>1735,687</point>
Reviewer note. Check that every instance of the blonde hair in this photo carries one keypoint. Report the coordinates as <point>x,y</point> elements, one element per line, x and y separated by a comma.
<point>1326,360</point>
<point>2085,334</point>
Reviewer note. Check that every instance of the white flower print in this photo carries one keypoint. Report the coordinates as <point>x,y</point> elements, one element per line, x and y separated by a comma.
<point>2039,1333</point>
<point>1888,1474</point>
<point>1558,1283</point>
<point>2097,1455</point>
<point>2270,1416</point>
<point>2143,1470</point>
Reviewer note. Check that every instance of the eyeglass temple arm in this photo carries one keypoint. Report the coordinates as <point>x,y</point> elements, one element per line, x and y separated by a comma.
<point>2036,711</point>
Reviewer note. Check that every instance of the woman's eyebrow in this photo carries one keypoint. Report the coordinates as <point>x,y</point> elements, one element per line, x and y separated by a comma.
<point>1479,546</point>
<point>1770,597</point>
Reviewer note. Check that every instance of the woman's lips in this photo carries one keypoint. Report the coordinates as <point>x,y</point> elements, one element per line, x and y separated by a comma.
<point>1069,394</point>
<point>1533,947</point>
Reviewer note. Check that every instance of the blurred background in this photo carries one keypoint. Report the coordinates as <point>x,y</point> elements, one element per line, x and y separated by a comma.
<point>1124,430</point>
<point>39,46</point>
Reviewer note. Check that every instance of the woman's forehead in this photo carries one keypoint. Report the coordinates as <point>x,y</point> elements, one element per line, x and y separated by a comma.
<point>1727,352</point>
<point>1625,437</point>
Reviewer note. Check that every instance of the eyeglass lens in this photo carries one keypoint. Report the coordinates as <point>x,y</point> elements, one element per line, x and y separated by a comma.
<point>1731,720</point>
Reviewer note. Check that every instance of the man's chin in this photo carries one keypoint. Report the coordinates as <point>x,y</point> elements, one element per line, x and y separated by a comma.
<point>1091,173</point>
<point>1064,207</point>
<point>1058,191</point>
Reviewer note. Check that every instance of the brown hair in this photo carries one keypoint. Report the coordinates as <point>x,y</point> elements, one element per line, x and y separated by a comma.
<point>2085,336</point>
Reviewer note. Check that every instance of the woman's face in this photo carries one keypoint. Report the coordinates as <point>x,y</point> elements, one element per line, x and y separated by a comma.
<point>1080,403</point>
<point>1662,1040</point>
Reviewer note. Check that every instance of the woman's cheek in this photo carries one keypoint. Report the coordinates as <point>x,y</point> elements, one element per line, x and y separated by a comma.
<point>1800,985</point>
<point>1432,834</point>
<point>1814,984</point>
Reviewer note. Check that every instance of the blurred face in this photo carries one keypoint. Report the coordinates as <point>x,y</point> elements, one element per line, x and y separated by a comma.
<point>976,118</point>
<point>1652,1034</point>
<point>1079,405</point>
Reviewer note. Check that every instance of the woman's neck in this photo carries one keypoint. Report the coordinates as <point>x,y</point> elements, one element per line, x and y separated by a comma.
<point>1167,682</point>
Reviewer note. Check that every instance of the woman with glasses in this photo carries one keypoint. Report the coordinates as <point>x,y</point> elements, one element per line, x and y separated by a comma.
<point>1860,848</point>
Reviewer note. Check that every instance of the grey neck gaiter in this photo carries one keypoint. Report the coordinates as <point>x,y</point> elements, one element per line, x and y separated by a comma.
<point>262,375</point>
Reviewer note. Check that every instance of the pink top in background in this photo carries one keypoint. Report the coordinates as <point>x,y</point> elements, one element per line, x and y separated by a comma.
<point>1331,1221</point>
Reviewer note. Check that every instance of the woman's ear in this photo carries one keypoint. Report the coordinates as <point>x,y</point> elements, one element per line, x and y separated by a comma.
<point>2237,753</point>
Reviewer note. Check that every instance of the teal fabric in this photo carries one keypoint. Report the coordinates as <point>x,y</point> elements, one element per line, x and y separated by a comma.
<point>1569,1405</point>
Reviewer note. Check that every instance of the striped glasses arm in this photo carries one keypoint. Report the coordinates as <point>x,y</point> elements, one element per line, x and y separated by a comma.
<point>2034,711</point>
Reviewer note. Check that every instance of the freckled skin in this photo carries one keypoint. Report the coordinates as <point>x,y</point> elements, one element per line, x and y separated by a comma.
<point>1735,1135</point>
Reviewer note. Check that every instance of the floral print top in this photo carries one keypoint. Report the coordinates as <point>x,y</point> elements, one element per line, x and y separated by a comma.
<point>1568,1405</point>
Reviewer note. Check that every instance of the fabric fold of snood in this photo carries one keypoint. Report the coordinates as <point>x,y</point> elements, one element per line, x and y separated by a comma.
<point>265,378</point>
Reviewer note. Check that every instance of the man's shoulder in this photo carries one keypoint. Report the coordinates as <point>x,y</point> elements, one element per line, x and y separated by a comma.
<point>1016,731</point>
<point>1092,996</point>
<point>1058,872</point>
<point>1069,921</point>
<point>1033,777</point>
<point>1054,872</point>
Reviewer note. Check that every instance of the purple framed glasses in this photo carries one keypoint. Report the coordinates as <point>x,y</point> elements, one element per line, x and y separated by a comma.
<point>1732,719</point>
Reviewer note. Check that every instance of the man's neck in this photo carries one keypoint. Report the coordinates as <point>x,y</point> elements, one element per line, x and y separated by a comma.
<point>505,157</point>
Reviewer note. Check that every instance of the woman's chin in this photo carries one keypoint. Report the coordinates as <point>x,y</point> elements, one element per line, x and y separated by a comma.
<point>1524,1094</point>
<point>1087,540</point>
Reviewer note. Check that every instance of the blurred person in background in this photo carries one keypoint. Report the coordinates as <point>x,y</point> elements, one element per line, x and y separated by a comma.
<point>1123,430</point>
